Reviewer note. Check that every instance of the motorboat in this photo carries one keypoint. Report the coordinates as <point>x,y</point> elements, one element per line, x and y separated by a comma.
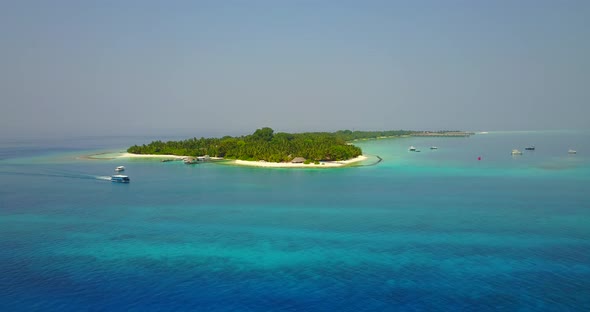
<point>516,152</point>
<point>119,178</point>
<point>120,168</point>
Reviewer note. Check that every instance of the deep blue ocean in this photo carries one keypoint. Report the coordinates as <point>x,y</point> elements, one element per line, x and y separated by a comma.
<point>436,230</point>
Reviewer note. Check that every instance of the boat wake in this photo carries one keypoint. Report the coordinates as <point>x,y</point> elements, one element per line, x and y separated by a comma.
<point>79,175</point>
<point>56,174</point>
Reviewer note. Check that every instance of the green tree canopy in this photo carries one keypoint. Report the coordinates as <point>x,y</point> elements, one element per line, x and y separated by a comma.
<point>264,144</point>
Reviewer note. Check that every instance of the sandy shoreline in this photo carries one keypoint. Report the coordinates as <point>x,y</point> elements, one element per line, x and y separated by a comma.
<point>322,164</point>
<point>263,164</point>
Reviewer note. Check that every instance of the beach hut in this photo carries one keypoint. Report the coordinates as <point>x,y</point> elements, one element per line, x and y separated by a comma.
<point>298,160</point>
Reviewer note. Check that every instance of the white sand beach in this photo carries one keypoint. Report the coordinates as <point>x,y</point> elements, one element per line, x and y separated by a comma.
<point>264,164</point>
<point>322,164</point>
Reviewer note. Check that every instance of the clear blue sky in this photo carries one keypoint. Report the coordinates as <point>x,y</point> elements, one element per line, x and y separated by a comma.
<point>165,67</point>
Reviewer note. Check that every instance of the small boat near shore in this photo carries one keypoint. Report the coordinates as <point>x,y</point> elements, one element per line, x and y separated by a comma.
<point>516,152</point>
<point>120,168</point>
<point>119,178</point>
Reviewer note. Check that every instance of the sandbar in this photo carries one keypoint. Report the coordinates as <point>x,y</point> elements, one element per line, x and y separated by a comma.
<point>119,155</point>
<point>131,155</point>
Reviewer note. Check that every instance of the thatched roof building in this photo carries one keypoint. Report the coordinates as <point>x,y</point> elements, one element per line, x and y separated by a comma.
<point>298,160</point>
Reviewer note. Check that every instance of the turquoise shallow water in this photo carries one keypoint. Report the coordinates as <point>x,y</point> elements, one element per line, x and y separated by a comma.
<point>436,230</point>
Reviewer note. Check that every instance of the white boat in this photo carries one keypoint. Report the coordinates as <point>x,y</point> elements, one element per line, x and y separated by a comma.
<point>119,178</point>
<point>516,152</point>
<point>571,151</point>
<point>120,168</point>
<point>412,149</point>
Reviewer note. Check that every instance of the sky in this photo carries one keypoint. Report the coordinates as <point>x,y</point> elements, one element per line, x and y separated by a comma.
<point>230,67</point>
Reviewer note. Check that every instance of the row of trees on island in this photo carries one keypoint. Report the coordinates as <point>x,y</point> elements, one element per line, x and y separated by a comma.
<point>265,144</point>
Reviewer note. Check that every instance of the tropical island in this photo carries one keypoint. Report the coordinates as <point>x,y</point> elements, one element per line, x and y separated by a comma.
<point>266,146</point>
